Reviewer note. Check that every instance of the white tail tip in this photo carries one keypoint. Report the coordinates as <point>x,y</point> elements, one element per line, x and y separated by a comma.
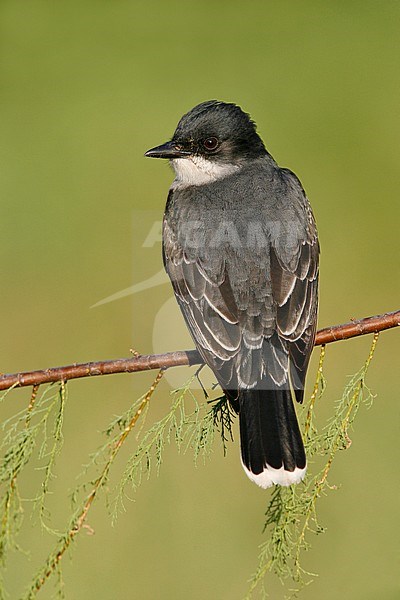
<point>271,476</point>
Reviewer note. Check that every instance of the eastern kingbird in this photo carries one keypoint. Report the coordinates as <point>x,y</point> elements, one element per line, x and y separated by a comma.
<point>241,249</point>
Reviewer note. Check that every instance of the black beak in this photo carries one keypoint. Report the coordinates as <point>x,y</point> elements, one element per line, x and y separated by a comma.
<point>167,150</point>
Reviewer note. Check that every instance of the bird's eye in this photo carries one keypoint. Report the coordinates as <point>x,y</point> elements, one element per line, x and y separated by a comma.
<point>210,143</point>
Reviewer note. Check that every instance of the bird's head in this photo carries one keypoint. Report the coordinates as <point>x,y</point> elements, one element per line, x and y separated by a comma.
<point>211,141</point>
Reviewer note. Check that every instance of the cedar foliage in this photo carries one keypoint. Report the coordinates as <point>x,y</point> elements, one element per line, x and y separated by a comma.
<point>36,433</point>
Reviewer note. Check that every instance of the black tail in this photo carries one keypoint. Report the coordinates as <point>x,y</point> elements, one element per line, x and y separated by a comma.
<point>271,443</point>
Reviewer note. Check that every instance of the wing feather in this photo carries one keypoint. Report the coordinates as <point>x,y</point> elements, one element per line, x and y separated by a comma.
<point>253,315</point>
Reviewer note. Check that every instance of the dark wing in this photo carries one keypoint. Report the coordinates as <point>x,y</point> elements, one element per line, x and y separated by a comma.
<point>294,275</point>
<point>249,312</point>
<point>206,300</point>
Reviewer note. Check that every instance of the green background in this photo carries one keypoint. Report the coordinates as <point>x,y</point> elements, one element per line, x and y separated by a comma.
<point>87,87</point>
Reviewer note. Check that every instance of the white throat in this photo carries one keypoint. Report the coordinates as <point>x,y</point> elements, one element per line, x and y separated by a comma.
<point>196,170</point>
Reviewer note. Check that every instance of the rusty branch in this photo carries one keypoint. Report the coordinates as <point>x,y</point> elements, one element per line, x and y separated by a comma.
<point>183,357</point>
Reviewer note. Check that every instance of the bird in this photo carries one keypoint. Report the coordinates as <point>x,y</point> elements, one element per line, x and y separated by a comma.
<point>240,246</point>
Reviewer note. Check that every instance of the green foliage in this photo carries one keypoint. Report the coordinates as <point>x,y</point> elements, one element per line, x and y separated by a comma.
<point>185,427</point>
<point>291,515</point>
<point>292,512</point>
<point>39,427</point>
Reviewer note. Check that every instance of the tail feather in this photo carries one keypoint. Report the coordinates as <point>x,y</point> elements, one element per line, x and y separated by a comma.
<point>271,444</point>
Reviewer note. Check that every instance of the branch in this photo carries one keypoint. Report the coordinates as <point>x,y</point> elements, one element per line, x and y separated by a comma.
<point>182,357</point>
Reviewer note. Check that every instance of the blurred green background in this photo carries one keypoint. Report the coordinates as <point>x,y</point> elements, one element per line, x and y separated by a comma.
<point>87,87</point>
